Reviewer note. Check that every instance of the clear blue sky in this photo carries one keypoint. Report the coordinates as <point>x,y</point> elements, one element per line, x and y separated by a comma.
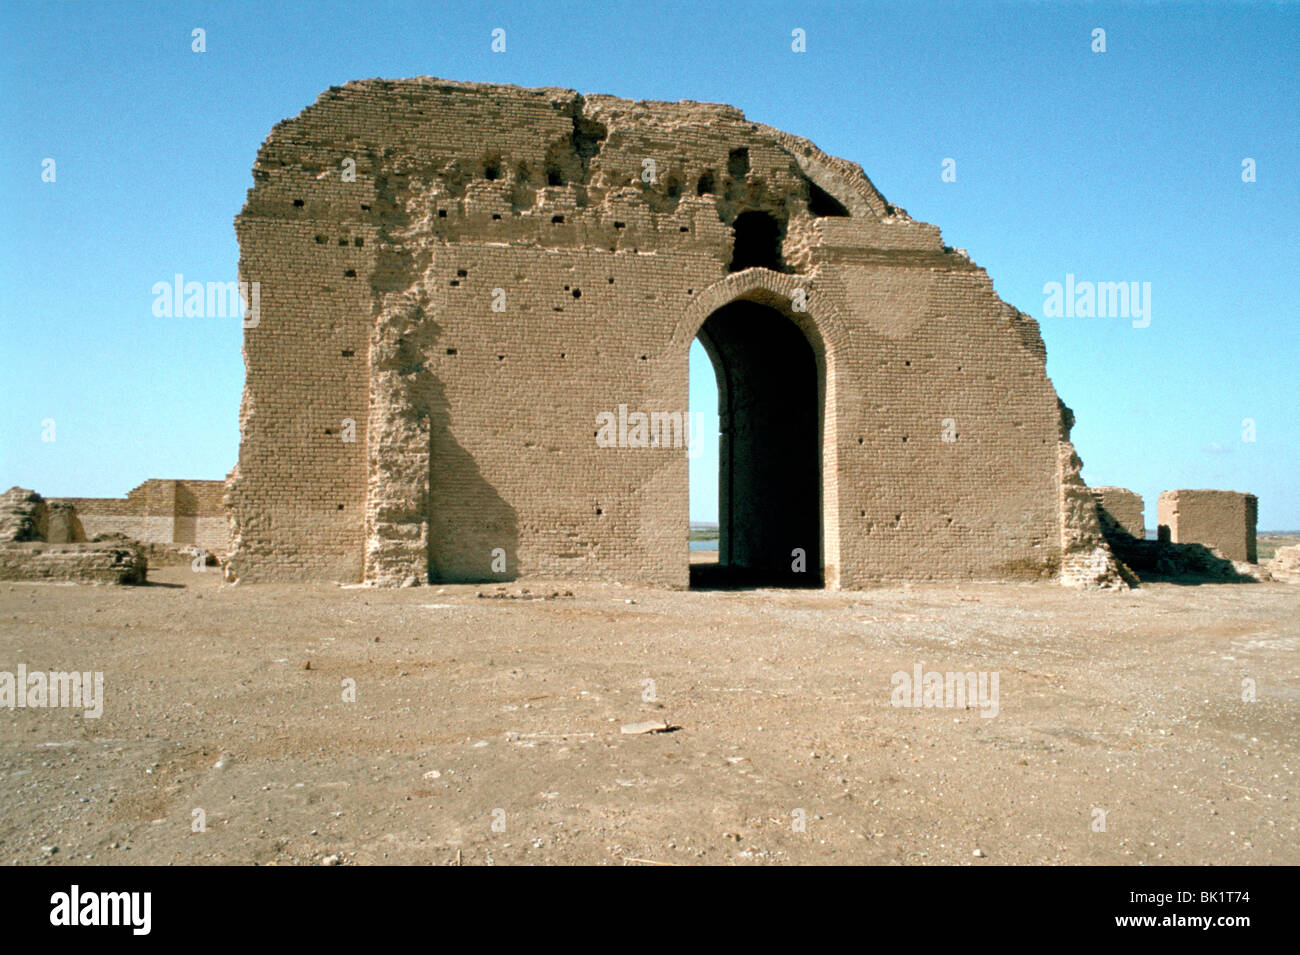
<point>1118,166</point>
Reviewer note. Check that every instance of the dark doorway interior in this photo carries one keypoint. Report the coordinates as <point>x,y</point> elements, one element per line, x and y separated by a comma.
<point>757,242</point>
<point>769,480</point>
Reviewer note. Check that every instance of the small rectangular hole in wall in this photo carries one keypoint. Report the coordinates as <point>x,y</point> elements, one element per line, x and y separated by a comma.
<point>358,242</point>
<point>557,220</point>
<point>298,203</point>
<point>454,283</point>
<point>451,351</point>
<point>620,225</point>
<point>350,273</point>
<point>462,272</point>
<point>365,207</point>
<point>442,213</point>
<point>343,241</point>
<point>684,228</point>
<point>347,353</point>
<point>321,240</point>
<point>496,215</point>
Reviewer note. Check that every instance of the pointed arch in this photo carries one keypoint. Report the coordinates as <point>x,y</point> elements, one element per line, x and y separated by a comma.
<point>795,297</point>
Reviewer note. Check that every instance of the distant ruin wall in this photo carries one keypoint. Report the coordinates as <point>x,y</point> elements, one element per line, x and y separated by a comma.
<point>1285,565</point>
<point>158,512</point>
<point>1224,520</point>
<point>1120,509</point>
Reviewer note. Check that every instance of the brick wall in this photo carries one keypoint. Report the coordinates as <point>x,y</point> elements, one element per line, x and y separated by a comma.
<point>160,512</point>
<point>473,429</point>
<point>1224,520</point>
<point>1120,508</point>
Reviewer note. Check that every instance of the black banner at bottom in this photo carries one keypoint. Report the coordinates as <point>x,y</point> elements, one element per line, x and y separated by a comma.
<point>330,905</point>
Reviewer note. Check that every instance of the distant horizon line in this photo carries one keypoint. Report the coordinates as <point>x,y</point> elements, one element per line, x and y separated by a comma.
<point>713,526</point>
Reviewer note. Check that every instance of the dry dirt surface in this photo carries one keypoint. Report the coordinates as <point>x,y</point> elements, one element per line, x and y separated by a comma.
<point>488,731</point>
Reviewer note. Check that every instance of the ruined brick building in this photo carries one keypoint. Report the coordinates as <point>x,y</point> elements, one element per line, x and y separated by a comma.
<point>460,282</point>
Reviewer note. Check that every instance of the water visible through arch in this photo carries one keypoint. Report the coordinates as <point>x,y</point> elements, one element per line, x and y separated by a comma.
<point>768,458</point>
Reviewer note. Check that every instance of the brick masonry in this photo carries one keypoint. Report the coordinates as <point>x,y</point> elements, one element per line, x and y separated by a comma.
<point>439,333</point>
<point>1224,520</point>
<point>1120,509</point>
<point>105,563</point>
<point>157,512</point>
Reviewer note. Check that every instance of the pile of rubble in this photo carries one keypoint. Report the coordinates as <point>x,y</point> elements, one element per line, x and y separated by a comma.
<point>40,541</point>
<point>1163,560</point>
<point>163,555</point>
<point>105,563</point>
<point>23,516</point>
<point>1285,565</point>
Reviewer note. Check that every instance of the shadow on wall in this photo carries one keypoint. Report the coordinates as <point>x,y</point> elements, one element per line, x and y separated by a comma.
<point>434,506</point>
<point>473,532</point>
<point>1166,562</point>
<point>185,522</point>
<point>63,525</point>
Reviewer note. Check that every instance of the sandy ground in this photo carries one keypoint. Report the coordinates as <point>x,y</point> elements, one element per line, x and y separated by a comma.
<point>488,730</point>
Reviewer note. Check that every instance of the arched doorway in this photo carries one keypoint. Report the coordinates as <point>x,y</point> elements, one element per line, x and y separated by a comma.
<point>769,454</point>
